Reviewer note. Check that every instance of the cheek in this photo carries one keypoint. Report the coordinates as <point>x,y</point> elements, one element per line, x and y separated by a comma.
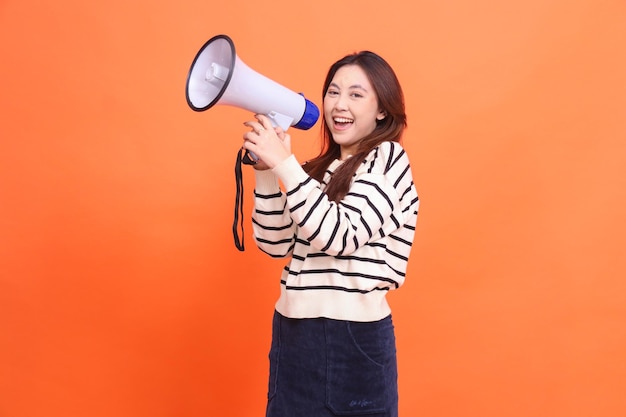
<point>368,127</point>
<point>327,113</point>
<point>326,106</point>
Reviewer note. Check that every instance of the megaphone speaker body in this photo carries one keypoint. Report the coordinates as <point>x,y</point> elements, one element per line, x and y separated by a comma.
<point>218,76</point>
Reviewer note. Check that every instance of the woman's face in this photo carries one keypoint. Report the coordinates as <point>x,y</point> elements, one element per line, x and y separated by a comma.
<point>350,108</point>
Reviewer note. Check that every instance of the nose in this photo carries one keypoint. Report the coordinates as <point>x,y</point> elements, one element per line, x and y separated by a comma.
<point>341,102</point>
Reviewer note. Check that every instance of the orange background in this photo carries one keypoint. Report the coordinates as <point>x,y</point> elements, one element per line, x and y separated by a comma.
<point>121,290</point>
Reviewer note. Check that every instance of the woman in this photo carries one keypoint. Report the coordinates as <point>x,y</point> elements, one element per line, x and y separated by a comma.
<point>346,219</point>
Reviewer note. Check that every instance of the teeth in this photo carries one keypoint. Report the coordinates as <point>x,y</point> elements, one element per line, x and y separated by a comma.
<point>342,120</point>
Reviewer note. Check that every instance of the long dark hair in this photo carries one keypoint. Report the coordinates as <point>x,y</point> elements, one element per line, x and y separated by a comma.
<point>390,101</point>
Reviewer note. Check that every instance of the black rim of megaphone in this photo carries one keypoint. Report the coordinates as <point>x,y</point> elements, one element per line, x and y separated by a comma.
<point>230,73</point>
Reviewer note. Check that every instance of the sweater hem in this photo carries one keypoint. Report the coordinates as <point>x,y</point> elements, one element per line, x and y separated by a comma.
<point>332,304</point>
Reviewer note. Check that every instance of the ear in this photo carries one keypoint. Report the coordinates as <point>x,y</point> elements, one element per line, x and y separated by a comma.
<point>381,115</point>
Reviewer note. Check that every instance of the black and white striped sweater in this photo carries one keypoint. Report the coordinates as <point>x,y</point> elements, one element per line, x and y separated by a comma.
<point>345,256</point>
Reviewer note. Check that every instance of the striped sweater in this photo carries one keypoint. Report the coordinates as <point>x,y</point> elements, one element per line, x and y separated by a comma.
<point>346,256</point>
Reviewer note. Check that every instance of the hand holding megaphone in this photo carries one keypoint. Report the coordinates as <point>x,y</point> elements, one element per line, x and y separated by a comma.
<point>269,144</point>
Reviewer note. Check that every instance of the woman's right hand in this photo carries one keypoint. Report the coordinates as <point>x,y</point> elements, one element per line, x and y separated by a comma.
<point>270,144</point>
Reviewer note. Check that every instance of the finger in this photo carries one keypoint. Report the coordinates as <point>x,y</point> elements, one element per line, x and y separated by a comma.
<point>255,126</point>
<point>250,136</point>
<point>279,132</point>
<point>287,141</point>
<point>248,145</point>
<point>264,121</point>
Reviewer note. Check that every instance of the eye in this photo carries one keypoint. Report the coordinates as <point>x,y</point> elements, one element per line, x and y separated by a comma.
<point>357,95</point>
<point>332,92</point>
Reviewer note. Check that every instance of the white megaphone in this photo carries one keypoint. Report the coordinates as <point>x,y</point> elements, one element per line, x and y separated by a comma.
<point>218,76</point>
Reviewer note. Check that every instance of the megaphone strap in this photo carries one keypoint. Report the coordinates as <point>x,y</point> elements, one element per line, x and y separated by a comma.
<point>238,222</point>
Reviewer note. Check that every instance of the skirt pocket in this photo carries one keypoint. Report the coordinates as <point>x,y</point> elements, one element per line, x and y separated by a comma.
<point>361,368</point>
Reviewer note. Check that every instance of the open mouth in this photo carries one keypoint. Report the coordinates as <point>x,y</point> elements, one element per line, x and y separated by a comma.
<point>342,121</point>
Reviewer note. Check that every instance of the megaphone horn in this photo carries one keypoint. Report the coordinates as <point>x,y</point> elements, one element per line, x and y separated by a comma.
<point>218,76</point>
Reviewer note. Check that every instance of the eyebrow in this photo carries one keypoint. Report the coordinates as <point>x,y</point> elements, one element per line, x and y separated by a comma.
<point>359,86</point>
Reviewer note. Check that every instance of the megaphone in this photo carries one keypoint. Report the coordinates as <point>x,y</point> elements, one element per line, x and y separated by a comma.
<point>218,76</point>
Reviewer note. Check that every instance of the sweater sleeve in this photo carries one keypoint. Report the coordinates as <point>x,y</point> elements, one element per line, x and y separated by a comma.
<point>274,230</point>
<point>372,208</point>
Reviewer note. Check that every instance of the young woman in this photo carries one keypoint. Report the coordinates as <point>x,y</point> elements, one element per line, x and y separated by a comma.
<point>346,221</point>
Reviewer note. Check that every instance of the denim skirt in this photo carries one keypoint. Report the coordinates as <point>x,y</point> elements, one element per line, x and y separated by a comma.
<point>323,368</point>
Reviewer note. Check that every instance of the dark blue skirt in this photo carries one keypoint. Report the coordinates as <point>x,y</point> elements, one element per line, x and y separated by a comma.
<point>323,368</point>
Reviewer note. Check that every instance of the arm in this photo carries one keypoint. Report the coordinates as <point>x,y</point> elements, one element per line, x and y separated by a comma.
<point>372,208</point>
<point>274,230</point>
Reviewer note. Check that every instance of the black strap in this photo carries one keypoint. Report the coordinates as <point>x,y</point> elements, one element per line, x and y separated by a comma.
<point>238,223</point>
<point>238,203</point>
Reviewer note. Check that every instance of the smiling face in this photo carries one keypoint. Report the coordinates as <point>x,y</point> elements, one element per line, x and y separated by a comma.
<point>351,108</point>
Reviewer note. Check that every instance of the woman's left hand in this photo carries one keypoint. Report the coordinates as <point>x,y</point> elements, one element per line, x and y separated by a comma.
<point>270,144</point>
